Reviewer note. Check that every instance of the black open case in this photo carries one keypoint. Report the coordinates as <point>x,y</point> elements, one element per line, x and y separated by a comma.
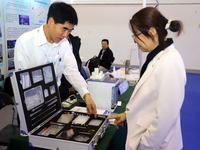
<point>42,118</point>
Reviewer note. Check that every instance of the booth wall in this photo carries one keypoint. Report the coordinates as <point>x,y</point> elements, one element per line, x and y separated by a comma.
<point>97,22</point>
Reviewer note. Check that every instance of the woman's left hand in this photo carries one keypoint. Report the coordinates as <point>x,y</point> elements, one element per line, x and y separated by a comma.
<point>119,119</point>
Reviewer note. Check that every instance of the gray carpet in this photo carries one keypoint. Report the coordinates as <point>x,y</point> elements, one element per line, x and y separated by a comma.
<point>5,118</point>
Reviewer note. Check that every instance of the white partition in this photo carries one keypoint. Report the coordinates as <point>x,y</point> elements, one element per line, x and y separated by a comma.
<point>112,22</point>
<point>105,1</point>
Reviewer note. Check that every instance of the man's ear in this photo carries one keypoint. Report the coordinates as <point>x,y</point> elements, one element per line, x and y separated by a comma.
<point>152,31</point>
<point>50,21</point>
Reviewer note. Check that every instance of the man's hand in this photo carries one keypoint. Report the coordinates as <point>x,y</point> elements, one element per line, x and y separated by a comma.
<point>119,119</point>
<point>91,106</point>
<point>72,90</point>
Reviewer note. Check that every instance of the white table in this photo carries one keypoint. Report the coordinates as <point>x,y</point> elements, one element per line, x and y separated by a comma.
<point>132,77</point>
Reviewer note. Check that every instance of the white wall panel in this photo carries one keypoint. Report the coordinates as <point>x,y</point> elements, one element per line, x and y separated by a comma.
<point>189,40</point>
<point>112,21</point>
<point>178,1</point>
<point>105,1</point>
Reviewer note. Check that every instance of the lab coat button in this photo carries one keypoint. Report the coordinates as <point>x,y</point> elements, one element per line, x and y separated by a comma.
<point>127,109</point>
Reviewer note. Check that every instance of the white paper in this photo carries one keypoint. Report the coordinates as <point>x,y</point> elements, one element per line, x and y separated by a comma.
<point>123,87</point>
<point>84,110</point>
<point>119,103</point>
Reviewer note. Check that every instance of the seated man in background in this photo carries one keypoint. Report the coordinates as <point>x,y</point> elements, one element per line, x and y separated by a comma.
<point>105,56</point>
<point>66,89</point>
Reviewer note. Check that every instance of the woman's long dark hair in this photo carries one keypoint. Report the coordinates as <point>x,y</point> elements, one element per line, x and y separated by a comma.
<point>149,17</point>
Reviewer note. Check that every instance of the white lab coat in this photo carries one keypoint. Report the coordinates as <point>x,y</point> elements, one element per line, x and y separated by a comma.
<point>153,112</point>
<point>32,49</point>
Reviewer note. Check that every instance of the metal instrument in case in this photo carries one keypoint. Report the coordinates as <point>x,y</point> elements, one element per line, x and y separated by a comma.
<point>42,118</point>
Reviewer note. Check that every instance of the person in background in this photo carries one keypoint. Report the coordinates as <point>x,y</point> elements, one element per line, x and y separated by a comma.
<point>49,44</point>
<point>22,21</point>
<point>66,89</point>
<point>153,111</point>
<point>105,56</point>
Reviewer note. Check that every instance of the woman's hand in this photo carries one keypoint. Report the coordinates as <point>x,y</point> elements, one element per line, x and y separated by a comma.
<point>119,119</point>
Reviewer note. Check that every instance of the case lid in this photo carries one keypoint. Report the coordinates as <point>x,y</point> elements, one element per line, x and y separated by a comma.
<point>38,94</point>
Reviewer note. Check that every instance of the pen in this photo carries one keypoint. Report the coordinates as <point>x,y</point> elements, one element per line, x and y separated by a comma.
<point>54,123</point>
<point>78,127</point>
<point>84,133</point>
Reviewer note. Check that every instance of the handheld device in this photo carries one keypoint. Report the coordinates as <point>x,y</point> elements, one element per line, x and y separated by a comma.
<point>69,101</point>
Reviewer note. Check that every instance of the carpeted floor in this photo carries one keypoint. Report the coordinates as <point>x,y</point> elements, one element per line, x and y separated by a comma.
<point>190,113</point>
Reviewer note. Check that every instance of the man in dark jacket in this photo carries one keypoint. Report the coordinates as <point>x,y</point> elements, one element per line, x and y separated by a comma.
<point>105,56</point>
<point>66,89</point>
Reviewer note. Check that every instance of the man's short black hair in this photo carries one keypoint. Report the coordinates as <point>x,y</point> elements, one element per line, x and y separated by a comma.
<point>106,40</point>
<point>62,12</point>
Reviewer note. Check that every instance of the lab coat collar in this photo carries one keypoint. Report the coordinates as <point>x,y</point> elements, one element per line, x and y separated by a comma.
<point>150,69</point>
<point>42,38</point>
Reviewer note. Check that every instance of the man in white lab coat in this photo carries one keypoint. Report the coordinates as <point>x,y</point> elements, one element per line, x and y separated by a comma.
<point>49,44</point>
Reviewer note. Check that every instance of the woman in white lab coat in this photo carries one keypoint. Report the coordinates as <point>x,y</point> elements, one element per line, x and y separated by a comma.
<point>153,111</point>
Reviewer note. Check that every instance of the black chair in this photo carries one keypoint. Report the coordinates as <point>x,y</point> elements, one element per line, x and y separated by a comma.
<point>8,87</point>
<point>8,131</point>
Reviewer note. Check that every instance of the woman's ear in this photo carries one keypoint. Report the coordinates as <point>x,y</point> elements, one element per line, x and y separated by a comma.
<point>152,31</point>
